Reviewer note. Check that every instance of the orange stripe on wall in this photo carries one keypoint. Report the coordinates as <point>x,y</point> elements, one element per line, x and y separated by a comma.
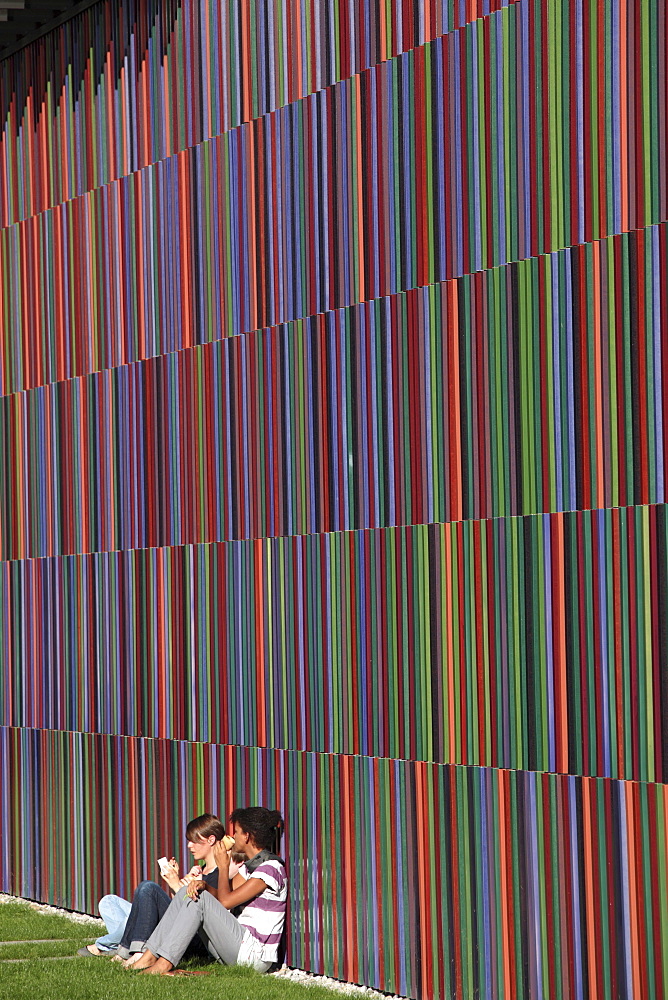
<point>591,894</point>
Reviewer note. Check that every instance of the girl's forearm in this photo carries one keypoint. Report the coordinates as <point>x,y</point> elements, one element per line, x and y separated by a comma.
<point>224,888</point>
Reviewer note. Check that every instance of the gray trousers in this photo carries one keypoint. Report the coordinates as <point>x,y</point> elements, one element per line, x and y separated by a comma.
<point>221,932</point>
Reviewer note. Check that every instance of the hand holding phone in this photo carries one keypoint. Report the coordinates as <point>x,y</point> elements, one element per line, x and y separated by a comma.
<point>169,869</point>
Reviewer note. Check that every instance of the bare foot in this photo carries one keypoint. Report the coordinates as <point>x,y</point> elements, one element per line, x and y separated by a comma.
<point>127,963</point>
<point>147,960</point>
<point>159,968</point>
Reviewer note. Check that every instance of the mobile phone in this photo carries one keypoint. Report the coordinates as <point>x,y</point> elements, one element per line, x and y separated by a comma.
<point>163,865</point>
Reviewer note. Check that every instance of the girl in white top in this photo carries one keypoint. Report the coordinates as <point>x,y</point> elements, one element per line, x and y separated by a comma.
<point>259,888</point>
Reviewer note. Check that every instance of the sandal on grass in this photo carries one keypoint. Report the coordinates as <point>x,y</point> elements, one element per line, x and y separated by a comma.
<point>188,972</point>
<point>92,951</point>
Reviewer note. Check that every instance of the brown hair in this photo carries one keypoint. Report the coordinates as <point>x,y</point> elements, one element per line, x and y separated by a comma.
<point>203,827</point>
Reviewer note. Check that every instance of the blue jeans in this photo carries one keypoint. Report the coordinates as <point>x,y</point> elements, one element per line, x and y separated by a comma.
<point>149,905</point>
<point>114,911</point>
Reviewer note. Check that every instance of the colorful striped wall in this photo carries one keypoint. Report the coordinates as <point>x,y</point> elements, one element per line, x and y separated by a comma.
<point>333,349</point>
<point>130,82</point>
<point>424,168</point>
<point>381,414</point>
<point>536,643</point>
<point>545,885</point>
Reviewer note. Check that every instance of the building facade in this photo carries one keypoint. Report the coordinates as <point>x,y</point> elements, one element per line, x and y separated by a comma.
<point>332,451</point>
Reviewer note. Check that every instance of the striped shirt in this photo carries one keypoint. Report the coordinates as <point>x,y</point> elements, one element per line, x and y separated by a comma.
<point>264,916</point>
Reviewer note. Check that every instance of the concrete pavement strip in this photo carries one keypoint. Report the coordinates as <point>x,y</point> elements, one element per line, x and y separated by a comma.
<point>43,941</point>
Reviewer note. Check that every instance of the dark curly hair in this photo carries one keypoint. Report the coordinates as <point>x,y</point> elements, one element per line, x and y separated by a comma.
<point>265,826</point>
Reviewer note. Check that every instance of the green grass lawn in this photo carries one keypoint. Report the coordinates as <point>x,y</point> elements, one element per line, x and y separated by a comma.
<point>101,979</point>
<point>19,922</point>
<point>40,949</point>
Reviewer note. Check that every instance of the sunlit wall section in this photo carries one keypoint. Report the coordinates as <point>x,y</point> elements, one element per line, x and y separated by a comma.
<point>333,437</point>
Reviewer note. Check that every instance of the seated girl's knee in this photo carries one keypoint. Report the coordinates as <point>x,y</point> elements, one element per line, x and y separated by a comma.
<point>146,888</point>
